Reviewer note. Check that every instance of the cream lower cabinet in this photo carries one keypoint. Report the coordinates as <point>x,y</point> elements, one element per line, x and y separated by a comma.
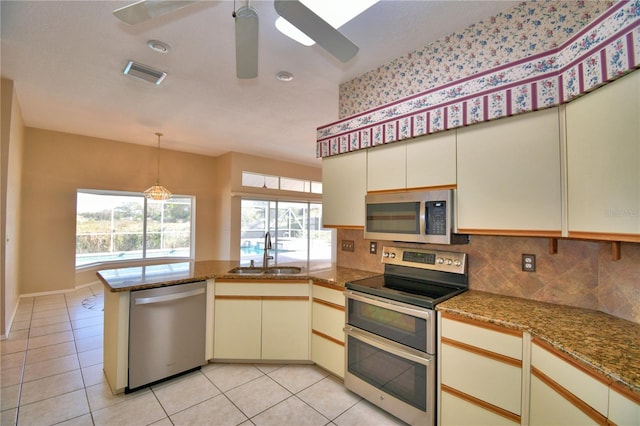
<point>624,409</point>
<point>481,373</point>
<point>261,320</point>
<point>509,176</point>
<point>327,323</point>
<point>344,185</point>
<point>563,392</point>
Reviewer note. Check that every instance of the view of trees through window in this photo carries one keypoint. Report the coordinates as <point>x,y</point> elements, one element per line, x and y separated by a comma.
<point>122,226</point>
<point>295,229</point>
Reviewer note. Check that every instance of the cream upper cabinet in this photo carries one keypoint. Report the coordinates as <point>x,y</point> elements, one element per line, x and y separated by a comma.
<point>431,160</point>
<point>509,176</point>
<point>426,161</point>
<point>386,167</point>
<point>480,373</point>
<point>603,162</point>
<point>344,185</point>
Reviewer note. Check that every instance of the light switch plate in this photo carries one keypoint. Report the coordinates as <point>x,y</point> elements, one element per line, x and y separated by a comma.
<point>348,245</point>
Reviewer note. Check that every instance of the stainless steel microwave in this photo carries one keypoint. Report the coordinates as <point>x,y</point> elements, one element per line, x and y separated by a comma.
<point>413,216</point>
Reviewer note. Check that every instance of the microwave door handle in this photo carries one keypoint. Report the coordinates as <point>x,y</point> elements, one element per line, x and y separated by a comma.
<point>423,217</point>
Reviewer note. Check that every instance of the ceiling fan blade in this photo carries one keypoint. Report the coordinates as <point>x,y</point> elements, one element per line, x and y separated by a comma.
<point>316,28</point>
<point>246,42</point>
<point>144,10</point>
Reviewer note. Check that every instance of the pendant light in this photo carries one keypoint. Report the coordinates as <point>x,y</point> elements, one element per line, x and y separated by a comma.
<point>158,192</point>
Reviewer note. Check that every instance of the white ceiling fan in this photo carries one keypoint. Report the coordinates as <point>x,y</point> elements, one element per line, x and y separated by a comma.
<point>246,20</point>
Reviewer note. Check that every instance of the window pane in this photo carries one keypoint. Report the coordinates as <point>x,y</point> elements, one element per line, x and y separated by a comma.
<point>321,239</point>
<point>252,179</point>
<point>289,184</point>
<point>316,187</point>
<point>253,226</point>
<point>108,227</point>
<point>292,241</point>
<point>169,228</point>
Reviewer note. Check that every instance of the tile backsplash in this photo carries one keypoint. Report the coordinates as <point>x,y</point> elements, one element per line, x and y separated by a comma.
<point>580,274</point>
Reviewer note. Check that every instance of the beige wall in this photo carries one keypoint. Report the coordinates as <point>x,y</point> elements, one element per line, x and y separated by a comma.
<point>57,164</point>
<point>10,181</point>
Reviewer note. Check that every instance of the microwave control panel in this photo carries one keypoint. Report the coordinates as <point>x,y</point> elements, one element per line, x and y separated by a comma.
<point>436,212</point>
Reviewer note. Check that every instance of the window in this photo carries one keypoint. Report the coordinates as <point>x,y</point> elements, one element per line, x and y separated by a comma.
<point>282,183</point>
<point>295,229</point>
<point>119,226</point>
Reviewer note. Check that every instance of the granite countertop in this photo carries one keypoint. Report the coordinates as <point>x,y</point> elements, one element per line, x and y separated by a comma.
<point>151,276</point>
<point>603,343</point>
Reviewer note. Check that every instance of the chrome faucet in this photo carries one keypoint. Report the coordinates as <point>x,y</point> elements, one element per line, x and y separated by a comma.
<point>267,247</point>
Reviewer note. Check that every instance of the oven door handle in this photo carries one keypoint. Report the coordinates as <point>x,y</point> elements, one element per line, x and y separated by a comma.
<point>388,346</point>
<point>389,304</point>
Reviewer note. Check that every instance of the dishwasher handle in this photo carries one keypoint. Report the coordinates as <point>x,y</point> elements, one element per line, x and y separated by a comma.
<point>168,297</point>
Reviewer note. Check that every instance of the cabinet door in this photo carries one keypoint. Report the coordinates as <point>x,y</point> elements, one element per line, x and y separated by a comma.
<point>344,185</point>
<point>237,328</point>
<point>386,167</point>
<point>431,160</point>
<point>285,329</point>
<point>509,176</point>
<point>603,162</point>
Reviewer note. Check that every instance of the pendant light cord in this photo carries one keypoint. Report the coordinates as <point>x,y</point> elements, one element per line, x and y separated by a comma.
<point>158,169</point>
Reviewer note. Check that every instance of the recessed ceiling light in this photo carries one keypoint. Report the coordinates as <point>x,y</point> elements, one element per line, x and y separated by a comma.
<point>285,76</point>
<point>158,46</point>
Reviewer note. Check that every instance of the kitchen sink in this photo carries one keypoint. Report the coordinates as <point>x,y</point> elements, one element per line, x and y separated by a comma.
<point>246,270</point>
<point>283,270</point>
<point>274,270</point>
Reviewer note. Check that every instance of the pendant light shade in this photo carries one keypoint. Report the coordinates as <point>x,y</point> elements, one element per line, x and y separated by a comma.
<point>157,192</point>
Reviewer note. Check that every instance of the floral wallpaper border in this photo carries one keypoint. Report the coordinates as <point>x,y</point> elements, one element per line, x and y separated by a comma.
<point>602,51</point>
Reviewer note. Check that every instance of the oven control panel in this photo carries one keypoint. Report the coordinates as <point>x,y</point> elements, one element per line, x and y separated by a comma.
<point>436,260</point>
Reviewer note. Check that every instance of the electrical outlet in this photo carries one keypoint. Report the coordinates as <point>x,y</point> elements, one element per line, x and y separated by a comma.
<point>529,262</point>
<point>347,245</point>
<point>373,247</point>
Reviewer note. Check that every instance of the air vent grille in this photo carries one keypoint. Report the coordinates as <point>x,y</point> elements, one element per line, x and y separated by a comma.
<point>144,72</point>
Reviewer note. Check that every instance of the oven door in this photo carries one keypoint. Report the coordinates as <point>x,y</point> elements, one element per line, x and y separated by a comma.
<point>398,379</point>
<point>399,322</point>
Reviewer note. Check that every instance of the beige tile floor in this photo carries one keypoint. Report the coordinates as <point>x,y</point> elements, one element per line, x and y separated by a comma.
<point>51,373</point>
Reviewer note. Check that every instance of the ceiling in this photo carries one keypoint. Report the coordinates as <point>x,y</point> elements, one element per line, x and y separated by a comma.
<point>66,60</point>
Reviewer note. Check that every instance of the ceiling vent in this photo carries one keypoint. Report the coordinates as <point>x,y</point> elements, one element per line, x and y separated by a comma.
<point>144,72</point>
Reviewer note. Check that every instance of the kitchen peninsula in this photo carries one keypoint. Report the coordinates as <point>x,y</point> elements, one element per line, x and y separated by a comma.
<point>121,281</point>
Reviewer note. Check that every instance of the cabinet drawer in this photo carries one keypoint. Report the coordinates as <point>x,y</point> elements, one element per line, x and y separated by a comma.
<point>508,343</point>
<point>272,288</point>
<point>487,379</point>
<point>328,355</point>
<point>459,412</point>
<point>328,294</point>
<point>586,387</point>
<point>328,320</point>
<point>622,410</point>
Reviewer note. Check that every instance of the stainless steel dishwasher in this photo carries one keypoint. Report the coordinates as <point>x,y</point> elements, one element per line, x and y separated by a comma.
<point>166,332</point>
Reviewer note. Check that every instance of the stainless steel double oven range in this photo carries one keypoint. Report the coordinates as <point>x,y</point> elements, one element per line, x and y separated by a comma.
<point>390,330</point>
